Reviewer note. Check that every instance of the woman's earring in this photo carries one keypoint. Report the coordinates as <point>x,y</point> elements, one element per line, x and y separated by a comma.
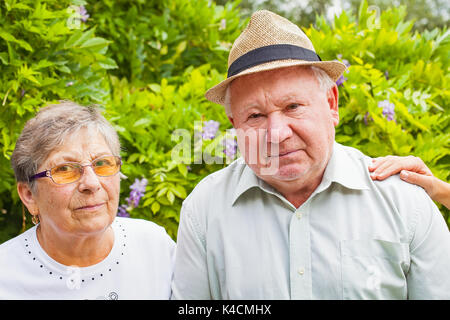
<point>35,219</point>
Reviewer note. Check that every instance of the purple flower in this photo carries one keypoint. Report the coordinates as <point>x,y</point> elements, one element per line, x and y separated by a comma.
<point>367,118</point>
<point>137,192</point>
<point>223,24</point>
<point>347,64</point>
<point>386,75</point>
<point>230,147</point>
<point>340,81</point>
<point>122,212</point>
<point>388,109</point>
<point>210,129</point>
<point>83,13</point>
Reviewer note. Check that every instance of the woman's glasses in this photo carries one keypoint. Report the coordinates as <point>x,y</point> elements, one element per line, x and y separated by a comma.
<point>70,172</point>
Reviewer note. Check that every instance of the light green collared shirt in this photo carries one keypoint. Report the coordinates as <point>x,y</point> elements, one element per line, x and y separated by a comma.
<point>353,238</point>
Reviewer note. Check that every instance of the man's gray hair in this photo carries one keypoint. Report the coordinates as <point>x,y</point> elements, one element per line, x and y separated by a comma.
<point>49,129</point>
<point>322,77</point>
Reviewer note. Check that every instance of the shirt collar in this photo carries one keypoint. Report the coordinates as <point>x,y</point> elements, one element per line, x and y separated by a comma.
<point>344,169</point>
<point>247,180</point>
<point>341,168</point>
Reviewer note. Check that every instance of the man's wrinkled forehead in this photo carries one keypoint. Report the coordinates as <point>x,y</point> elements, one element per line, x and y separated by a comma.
<point>268,83</point>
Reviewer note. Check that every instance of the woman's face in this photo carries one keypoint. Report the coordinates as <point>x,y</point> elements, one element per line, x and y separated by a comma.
<point>87,206</point>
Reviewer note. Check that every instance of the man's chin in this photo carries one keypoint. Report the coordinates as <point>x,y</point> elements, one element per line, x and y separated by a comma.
<point>285,173</point>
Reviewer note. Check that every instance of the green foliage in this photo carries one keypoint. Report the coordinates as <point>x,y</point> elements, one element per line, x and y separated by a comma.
<point>426,14</point>
<point>149,63</point>
<point>154,39</point>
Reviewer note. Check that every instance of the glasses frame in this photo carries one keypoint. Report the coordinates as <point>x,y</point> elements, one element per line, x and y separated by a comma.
<point>48,174</point>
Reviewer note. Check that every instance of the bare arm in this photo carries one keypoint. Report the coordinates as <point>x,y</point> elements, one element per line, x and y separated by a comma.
<point>412,170</point>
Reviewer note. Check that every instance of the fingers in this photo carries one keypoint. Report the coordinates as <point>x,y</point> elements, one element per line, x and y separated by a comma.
<point>384,167</point>
<point>421,180</point>
<point>437,189</point>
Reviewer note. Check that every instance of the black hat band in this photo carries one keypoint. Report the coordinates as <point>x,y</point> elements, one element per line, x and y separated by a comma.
<point>271,53</point>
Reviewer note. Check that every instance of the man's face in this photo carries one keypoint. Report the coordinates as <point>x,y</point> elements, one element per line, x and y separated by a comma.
<point>287,112</point>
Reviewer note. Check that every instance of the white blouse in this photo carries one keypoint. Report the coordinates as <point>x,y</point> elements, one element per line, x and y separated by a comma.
<point>139,266</point>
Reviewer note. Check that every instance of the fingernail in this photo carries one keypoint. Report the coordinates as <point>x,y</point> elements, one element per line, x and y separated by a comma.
<point>404,174</point>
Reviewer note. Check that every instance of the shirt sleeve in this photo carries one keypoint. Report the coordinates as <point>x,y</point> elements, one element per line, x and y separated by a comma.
<point>428,276</point>
<point>190,279</point>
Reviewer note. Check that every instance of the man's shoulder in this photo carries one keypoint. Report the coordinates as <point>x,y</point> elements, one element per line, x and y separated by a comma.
<point>353,153</point>
<point>392,187</point>
<point>403,193</point>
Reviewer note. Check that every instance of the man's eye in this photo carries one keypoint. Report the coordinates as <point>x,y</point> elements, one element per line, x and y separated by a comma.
<point>293,106</point>
<point>255,116</point>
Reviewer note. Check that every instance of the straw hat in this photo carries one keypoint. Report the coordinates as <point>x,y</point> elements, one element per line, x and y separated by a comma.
<point>270,42</point>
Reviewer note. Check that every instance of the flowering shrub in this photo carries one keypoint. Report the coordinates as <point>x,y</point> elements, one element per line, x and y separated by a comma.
<point>388,109</point>
<point>210,129</point>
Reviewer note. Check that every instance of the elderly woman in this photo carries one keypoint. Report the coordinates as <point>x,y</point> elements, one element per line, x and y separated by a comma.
<point>67,164</point>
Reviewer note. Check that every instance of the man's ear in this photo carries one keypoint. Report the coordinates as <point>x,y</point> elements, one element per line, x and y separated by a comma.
<point>27,197</point>
<point>333,100</point>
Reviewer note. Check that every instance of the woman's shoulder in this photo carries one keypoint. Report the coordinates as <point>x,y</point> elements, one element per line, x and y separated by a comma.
<point>143,230</point>
<point>13,244</point>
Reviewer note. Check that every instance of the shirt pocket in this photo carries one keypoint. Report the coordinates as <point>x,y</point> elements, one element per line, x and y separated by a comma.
<point>374,269</point>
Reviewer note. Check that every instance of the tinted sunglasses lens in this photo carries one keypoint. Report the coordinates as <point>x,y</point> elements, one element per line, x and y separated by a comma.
<point>65,173</point>
<point>106,166</point>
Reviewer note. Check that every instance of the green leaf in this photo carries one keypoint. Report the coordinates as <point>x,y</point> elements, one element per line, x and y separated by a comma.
<point>63,69</point>
<point>147,202</point>
<point>170,196</point>
<point>179,191</point>
<point>182,169</point>
<point>4,58</point>
<point>155,207</point>
<point>155,87</point>
<point>142,122</point>
<point>94,43</point>
<point>108,63</point>
<point>133,157</point>
<point>162,192</point>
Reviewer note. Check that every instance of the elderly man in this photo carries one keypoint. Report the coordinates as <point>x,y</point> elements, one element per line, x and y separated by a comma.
<point>302,220</point>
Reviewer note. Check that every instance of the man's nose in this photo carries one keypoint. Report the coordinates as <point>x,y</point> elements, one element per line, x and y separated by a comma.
<point>89,180</point>
<point>278,128</point>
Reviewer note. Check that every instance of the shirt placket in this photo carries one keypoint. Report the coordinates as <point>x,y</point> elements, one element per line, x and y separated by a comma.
<point>300,254</point>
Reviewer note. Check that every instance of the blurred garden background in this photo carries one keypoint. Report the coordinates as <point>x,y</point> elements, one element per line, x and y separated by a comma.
<point>147,64</point>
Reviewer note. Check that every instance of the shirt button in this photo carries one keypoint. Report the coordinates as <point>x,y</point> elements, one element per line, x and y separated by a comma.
<point>301,271</point>
<point>298,214</point>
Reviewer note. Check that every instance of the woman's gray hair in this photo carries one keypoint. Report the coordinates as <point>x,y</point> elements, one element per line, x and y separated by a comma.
<point>322,77</point>
<point>49,129</point>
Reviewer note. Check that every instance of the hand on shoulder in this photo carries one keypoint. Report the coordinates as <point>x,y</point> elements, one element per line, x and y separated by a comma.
<point>413,170</point>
